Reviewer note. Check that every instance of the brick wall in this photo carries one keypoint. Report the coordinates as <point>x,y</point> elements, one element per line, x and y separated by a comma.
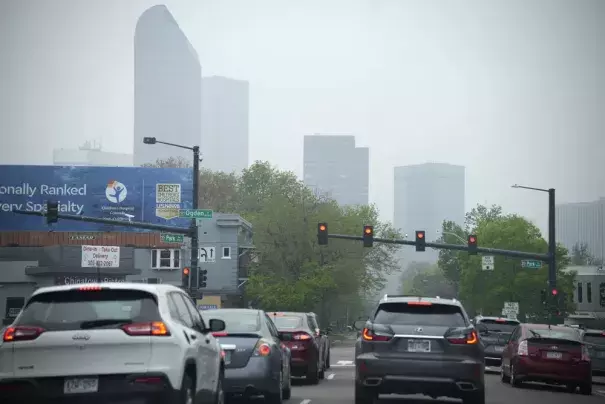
<point>44,238</point>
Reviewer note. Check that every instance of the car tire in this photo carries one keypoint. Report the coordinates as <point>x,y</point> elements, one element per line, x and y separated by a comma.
<point>276,398</point>
<point>187,392</point>
<point>287,390</point>
<point>219,396</point>
<point>364,395</point>
<point>513,378</point>
<point>328,361</point>
<point>586,388</point>
<point>503,377</point>
<point>475,397</point>
<point>313,374</point>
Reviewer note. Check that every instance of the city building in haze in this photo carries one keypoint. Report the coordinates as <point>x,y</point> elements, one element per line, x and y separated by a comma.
<point>582,223</point>
<point>424,196</point>
<point>167,90</point>
<point>90,154</point>
<point>224,144</point>
<point>336,168</point>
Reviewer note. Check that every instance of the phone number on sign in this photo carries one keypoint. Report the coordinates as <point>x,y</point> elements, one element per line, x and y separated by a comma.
<point>104,264</point>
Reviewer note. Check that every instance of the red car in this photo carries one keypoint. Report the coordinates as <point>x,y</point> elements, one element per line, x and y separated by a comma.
<point>547,354</point>
<point>309,346</point>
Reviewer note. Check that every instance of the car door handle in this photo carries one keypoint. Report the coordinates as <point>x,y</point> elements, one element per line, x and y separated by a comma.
<point>193,337</point>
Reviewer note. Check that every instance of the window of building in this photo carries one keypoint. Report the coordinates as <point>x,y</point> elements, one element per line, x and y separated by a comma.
<point>589,292</point>
<point>165,259</point>
<point>580,297</point>
<point>602,294</point>
<point>226,252</point>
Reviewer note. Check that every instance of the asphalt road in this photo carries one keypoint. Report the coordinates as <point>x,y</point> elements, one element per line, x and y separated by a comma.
<point>337,388</point>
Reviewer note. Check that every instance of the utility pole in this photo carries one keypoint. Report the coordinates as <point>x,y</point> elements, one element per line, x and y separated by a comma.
<point>552,241</point>
<point>195,271</point>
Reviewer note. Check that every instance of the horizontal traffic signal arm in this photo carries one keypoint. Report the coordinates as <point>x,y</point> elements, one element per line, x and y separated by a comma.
<point>457,247</point>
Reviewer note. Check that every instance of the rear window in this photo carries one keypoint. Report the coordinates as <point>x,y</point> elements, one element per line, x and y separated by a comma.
<point>594,338</point>
<point>288,322</point>
<point>570,334</point>
<point>236,321</point>
<point>433,315</point>
<point>500,326</point>
<point>76,310</point>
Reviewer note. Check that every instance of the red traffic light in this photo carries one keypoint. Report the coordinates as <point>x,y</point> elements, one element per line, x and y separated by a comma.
<point>420,234</point>
<point>472,239</point>
<point>367,230</point>
<point>185,271</point>
<point>322,227</point>
<point>554,292</point>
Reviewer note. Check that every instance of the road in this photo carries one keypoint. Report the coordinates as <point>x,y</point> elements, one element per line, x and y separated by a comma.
<point>337,388</point>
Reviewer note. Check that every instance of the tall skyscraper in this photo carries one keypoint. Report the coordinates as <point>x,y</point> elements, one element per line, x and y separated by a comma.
<point>582,223</point>
<point>225,121</point>
<point>167,90</point>
<point>425,196</point>
<point>333,166</point>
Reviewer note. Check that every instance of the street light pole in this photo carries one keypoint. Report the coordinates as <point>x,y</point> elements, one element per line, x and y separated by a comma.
<point>195,271</point>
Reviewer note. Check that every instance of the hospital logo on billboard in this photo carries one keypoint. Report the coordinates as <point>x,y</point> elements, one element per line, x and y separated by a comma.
<point>167,200</point>
<point>116,192</point>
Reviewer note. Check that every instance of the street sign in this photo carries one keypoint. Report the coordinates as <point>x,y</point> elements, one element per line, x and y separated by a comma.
<point>196,213</point>
<point>98,256</point>
<point>207,254</point>
<point>511,316</point>
<point>487,262</point>
<point>171,238</point>
<point>512,306</point>
<point>531,264</point>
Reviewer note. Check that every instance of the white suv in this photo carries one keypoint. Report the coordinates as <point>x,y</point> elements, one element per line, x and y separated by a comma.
<point>111,341</point>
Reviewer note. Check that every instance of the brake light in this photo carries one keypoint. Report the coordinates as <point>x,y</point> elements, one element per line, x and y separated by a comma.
<point>465,337</point>
<point>523,349</point>
<point>262,349</point>
<point>420,303</point>
<point>155,328</point>
<point>21,333</point>
<point>500,320</point>
<point>89,288</point>
<point>369,335</point>
<point>585,354</point>
<point>303,336</point>
<point>219,334</point>
<point>223,354</point>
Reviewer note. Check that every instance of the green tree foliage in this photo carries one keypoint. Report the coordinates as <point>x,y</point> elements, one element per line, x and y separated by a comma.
<point>486,291</point>
<point>424,279</point>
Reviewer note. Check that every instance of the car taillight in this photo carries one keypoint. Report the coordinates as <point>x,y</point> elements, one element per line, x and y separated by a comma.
<point>90,288</point>
<point>262,349</point>
<point>369,335</point>
<point>303,336</point>
<point>523,349</point>
<point>21,333</point>
<point>155,328</point>
<point>219,334</point>
<point>585,354</point>
<point>464,337</point>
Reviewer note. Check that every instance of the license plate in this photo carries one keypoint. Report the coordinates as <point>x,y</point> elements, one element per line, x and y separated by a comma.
<point>554,355</point>
<point>415,345</point>
<point>84,385</point>
<point>499,349</point>
<point>228,357</point>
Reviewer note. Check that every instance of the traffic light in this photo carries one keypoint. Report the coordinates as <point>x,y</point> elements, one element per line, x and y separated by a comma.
<point>185,279</point>
<point>554,292</point>
<point>420,240</point>
<point>368,236</point>
<point>472,244</point>
<point>543,297</point>
<point>322,233</point>
<point>52,212</point>
<point>202,278</point>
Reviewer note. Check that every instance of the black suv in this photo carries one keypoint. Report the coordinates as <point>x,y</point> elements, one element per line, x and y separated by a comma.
<point>494,333</point>
<point>419,345</point>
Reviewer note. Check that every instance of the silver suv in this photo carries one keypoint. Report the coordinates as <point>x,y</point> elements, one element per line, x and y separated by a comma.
<point>419,345</point>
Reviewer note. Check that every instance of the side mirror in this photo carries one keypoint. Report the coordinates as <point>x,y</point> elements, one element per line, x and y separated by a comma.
<point>359,324</point>
<point>285,337</point>
<point>216,325</point>
<point>482,328</point>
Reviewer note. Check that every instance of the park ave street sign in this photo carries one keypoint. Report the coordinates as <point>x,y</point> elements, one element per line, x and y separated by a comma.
<point>532,264</point>
<point>171,238</point>
<point>196,213</point>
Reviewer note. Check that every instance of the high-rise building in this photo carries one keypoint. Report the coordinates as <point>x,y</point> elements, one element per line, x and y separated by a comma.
<point>167,90</point>
<point>224,144</point>
<point>90,154</point>
<point>335,167</point>
<point>582,223</point>
<point>424,196</point>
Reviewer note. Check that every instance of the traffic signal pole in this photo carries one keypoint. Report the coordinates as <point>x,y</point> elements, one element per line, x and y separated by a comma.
<point>552,241</point>
<point>195,270</point>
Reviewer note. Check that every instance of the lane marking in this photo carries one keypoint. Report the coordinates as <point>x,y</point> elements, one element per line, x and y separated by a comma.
<point>330,376</point>
<point>601,393</point>
<point>306,401</point>
<point>344,364</point>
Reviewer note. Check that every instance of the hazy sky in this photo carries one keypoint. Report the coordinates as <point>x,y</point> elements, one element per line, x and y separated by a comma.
<point>512,89</point>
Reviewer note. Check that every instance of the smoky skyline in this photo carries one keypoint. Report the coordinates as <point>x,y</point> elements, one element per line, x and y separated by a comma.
<point>512,90</point>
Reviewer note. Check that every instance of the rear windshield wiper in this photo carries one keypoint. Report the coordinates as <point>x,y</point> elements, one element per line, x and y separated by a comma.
<point>534,334</point>
<point>86,325</point>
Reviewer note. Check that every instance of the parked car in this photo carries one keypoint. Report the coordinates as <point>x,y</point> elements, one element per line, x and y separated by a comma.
<point>419,345</point>
<point>256,360</point>
<point>548,354</point>
<point>595,343</point>
<point>309,346</point>
<point>494,333</point>
<point>111,342</point>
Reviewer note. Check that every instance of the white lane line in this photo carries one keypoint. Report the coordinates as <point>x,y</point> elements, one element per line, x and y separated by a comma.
<point>307,401</point>
<point>341,364</point>
<point>601,393</point>
<point>330,376</point>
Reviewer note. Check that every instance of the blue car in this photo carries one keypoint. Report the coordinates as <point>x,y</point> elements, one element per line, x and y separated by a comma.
<point>256,361</point>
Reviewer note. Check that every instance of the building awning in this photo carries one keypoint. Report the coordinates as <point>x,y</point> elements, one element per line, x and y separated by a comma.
<point>66,270</point>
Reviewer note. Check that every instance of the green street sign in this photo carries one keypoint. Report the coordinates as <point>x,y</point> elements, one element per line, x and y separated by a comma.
<point>196,213</point>
<point>172,238</point>
<point>531,264</point>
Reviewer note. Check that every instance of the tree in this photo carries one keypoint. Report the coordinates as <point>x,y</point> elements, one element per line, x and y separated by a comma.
<point>581,256</point>
<point>170,162</point>
<point>426,280</point>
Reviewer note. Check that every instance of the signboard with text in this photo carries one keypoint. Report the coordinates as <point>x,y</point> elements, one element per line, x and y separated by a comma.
<point>78,279</point>
<point>98,256</point>
<point>152,195</point>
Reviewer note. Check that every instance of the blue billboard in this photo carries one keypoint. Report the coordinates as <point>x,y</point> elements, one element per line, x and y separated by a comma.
<point>152,195</point>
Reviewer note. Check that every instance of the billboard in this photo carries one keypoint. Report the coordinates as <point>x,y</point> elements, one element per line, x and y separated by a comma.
<point>152,195</point>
